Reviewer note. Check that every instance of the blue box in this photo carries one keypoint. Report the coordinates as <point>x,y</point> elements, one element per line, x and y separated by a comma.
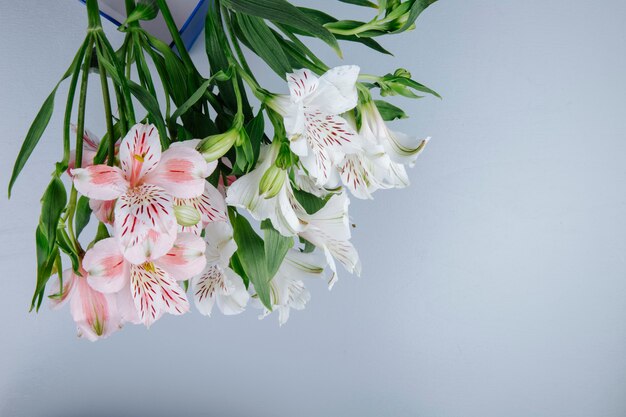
<point>189,16</point>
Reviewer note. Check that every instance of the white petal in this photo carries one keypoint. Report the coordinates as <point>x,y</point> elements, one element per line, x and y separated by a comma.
<point>302,83</point>
<point>237,298</point>
<point>336,92</point>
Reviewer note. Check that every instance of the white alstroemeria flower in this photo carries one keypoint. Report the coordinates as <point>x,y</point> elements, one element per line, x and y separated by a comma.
<point>317,132</point>
<point>218,283</point>
<point>287,286</point>
<point>372,168</point>
<point>401,148</point>
<point>329,230</point>
<point>246,193</point>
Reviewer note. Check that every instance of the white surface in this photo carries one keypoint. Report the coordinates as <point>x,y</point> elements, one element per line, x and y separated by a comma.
<point>494,286</point>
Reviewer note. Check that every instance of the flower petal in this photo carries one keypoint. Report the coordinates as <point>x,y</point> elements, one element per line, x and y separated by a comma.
<point>107,270</point>
<point>235,300</point>
<point>210,205</point>
<point>328,138</point>
<point>174,299</point>
<point>140,152</point>
<point>336,92</point>
<point>302,83</point>
<point>57,297</point>
<point>220,243</point>
<point>145,223</point>
<point>186,258</point>
<point>181,172</point>
<point>146,292</point>
<point>356,175</point>
<point>95,313</point>
<point>100,182</point>
<point>206,286</point>
<point>104,210</point>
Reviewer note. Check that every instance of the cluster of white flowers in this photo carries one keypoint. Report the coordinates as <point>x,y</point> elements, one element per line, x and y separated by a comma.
<point>169,224</point>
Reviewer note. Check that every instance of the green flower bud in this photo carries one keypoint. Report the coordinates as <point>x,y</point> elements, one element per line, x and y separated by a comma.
<point>216,146</point>
<point>187,215</point>
<point>272,181</point>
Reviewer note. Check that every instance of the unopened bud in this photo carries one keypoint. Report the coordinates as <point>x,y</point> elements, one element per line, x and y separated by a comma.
<point>272,181</point>
<point>187,215</point>
<point>216,146</point>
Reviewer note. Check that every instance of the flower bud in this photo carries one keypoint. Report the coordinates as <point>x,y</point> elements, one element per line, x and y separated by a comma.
<point>216,146</point>
<point>272,181</point>
<point>187,215</point>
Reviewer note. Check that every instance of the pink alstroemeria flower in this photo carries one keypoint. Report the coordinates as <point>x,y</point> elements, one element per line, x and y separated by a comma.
<point>145,187</point>
<point>95,313</point>
<point>153,284</point>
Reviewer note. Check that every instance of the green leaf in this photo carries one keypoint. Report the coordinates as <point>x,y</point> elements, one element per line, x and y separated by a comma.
<point>311,203</point>
<point>52,205</point>
<point>251,254</point>
<point>83,214</point>
<point>144,10</point>
<point>200,92</point>
<point>45,262</point>
<point>281,11</point>
<point>256,132</point>
<point>328,21</point>
<point>235,265</point>
<point>364,3</point>
<point>217,48</point>
<point>417,8</point>
<point>101,233</point>
<point>276,247</point>
<point>262,42</point>
<point>151,105</point>
<point>42,119</point>
<point>389,112</point>
<point>66,245</point>
<point>32,137</point>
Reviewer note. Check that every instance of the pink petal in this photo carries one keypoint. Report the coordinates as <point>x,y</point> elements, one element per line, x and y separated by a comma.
<point>181,172</point>
<point>55,289</point>
<point>140,152</point>
<point>100,182</point>
<point>145,224</point>
<point>186,258</point>
<point>301,83</point>
<point>107,270</point>
<point>103,210</point>
<point>95,313</point>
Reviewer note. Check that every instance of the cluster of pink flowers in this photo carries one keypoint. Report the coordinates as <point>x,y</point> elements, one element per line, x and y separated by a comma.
<point>134,275</point>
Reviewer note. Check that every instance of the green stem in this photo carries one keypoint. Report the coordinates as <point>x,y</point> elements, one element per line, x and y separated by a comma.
<point>107,112</point>
<point>171,25</point>
<point>70,105</point>
<point>80,132</point>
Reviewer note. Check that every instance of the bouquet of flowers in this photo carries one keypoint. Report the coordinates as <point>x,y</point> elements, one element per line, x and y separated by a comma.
<point>187,165</point>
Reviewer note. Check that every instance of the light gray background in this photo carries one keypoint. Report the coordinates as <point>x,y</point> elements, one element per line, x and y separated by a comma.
<point>494,286</point>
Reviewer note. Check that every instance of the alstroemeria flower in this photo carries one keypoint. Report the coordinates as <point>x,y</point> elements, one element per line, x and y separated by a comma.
<point>329,230</point>
<point>318,135</point>
<point>96,314</point>
<point>401,148</point>
<point>145,186</point>
<point>153,285</point>
<point>218,283</point>
<point>287,287</point>
<point>245,192</point>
